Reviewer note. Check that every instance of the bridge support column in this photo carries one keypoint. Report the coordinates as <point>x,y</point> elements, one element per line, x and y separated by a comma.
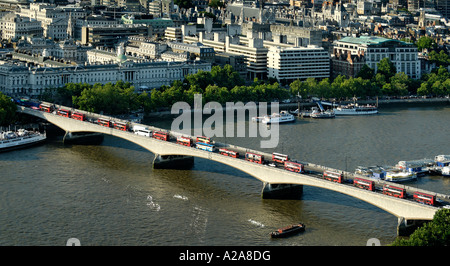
<point>282,191</point>
<point>82,138</point>
<point>407,227</point>
<point>181,162</point>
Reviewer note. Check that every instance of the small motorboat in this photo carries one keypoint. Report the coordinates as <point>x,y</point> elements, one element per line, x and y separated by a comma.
<point>288,230</point>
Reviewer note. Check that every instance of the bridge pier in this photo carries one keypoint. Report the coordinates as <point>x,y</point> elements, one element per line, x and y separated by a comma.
<point>181,162</point>
<point>407,227</point>
<point>282,191</point>
<point>91,138</point>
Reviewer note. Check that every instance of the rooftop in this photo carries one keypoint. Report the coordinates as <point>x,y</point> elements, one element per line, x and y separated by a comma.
<point>368,40</point>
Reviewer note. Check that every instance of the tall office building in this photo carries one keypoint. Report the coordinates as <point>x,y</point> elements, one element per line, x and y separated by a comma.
<point>289,64</point>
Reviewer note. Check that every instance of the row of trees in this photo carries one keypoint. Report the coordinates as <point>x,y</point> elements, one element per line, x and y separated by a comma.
<point>223,84</point>
<point>368,83</point>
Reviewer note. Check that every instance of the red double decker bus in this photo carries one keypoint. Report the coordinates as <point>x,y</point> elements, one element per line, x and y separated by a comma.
<point>62,112</point>
<point>333,176</point>
<point>121,126</point>
<point>161,135</point>
<point>104,122</point>
<point>79,116</point>
<point>253,157</point>
<point>424,198</point>
<point>203,139</point>
<point>394,191</point>
<point>280,158</point>
<point>46,107</point>
<point>294,167</point>
<point>364,183</point>
<point>227,152</point>
<point>184,141</point>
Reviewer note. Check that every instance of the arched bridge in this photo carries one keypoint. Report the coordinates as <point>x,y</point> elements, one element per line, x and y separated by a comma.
<point>401,208</point>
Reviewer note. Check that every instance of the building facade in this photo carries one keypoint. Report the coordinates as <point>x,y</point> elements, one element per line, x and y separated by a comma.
<point>290,64</point>
<point>20,79</point>
<point>402,54</point>
<point>14,27</point>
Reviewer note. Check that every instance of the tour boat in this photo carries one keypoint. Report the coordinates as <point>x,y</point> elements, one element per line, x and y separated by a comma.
<point>400,176</point>
<point>281,117</point>
<point>11,140</point>
<point>322,114</point>
<point>288,231</point>
<point>355,109</point>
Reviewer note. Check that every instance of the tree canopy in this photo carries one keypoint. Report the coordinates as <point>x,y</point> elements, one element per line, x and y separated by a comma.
<point>434,233</point>
<point>7,110</point>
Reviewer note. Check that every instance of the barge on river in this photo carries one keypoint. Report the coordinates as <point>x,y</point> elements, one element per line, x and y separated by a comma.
<point>288,231</point>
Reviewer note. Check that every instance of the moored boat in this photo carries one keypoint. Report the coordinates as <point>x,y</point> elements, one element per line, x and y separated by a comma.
<point>400,176</point>
<point>288,231</point>
<point>11,140</point>
<point>281,117</point>
<point>355,109</point>
<point>322,114</point>
<point>420,167</point>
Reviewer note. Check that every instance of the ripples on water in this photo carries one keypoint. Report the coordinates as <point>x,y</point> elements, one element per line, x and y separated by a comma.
<point>110,195</point>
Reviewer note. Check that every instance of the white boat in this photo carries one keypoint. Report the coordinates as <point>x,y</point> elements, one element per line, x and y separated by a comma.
<point>281,117</point>
<point>420,167</point>
<point>257,118</point>
<point>400,176</point>
<point>322,114</point>
<point>355,109</point>
<point>445,171</point>
<point>11,140</point>
<point>441,158</point>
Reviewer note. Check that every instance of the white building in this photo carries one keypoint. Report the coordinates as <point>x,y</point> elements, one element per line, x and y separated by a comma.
<point>289,64</point>
<point>402,54</point>
<point>54,19</point>
<point>20,79</point>
<point>14,27</point>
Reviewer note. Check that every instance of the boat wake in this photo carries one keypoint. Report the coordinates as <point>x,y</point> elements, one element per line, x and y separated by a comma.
<point>256,223</point>
<point>177,196</point>
<point>152,205</point>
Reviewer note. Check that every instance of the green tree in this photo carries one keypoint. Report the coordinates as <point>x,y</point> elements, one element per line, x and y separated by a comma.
<point>441,58</point>
<point>7,110</point>
<point>366,72</point>
<point>202,79</point>
<point>386,68</point>
<point>217,94</point>
<point>118,98</point>
<point>434,233</point>
<point>226,77</point>
<point>424,89</point>
<point>298,87</point>
<point>425,43</point>
<point>379,80</point>
<point>338,88</point>
<point>400,83</point>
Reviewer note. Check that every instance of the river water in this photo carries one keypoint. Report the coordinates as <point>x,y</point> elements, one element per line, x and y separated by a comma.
<point>110,195</point>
